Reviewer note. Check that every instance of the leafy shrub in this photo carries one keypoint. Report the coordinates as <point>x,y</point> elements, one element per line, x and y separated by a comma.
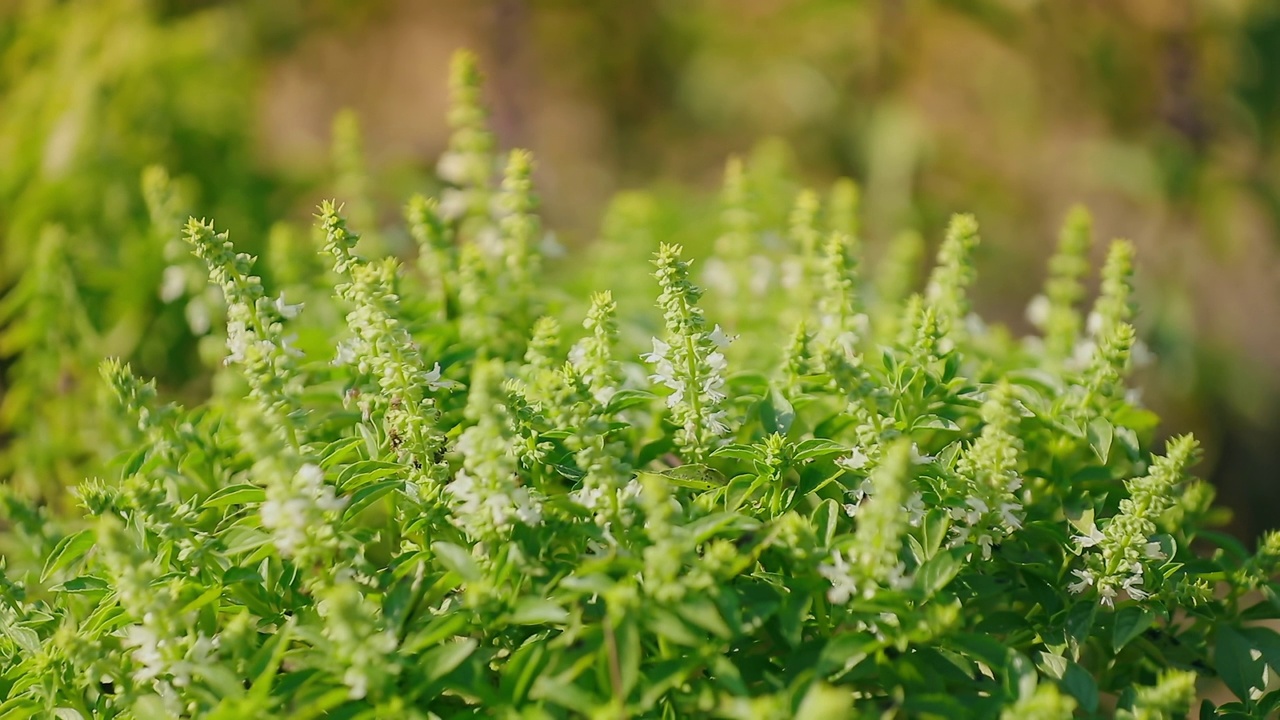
<point>420,497</point>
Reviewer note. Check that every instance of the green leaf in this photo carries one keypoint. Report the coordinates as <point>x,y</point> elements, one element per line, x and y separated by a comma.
<point>824,519</point>
<point>1079,625</point>
<point>1267,642</point>
<point>1233,658</point>
<point>938,571</point>
<point>1100,433</point>
<point>364,472</point>
<point>1080,684</point>
<point>692,476</point>
<point>457,559</point>
<point>368,495</point>
<point>444,659</point>
<point>776,413</point>
<point>82,584</point>
<point>816,448</point>
<point>519,673</point>
<point>539,611</point>
<point>842,652</point>
<point>702,612</point>
<point>934,422</point>
<point>242,494</point>
<point>824,702</point>
<point>336,452</point>
<point>740,452</point>
<point>68,550</point>
<point>1130,622</point>
<point>626,399</point>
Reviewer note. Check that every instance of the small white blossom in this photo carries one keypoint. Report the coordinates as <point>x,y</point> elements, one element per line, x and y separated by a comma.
<point>173,283</point>
<point>1133,586</point>
<point>917,458</point>
<point>287,311</point>
<point>1038,311</point>
<point>1084,582</point>
<point>1090,538</point>
<point>855,460</point>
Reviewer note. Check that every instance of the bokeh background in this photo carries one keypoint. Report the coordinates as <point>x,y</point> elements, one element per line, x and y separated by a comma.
<point>1162,116</point>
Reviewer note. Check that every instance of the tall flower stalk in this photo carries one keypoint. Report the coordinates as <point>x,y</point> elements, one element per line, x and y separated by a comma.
<point>689,361</point>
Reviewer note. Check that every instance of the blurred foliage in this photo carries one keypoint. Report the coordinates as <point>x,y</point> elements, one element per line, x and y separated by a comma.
<point>1162,116</point>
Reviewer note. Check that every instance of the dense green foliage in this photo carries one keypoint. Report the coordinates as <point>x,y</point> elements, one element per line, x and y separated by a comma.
<point>413,493</point>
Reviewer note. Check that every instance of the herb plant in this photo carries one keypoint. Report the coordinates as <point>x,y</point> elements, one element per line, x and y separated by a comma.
<point>801,494</point>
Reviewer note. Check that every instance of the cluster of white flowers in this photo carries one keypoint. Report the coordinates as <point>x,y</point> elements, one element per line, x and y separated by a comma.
<point>255,329</point>
<point>469,163</point>
<point>592,356</point>
<point>708,389</point>
<point>381,347</point>
<point>871,561</point>
<point>1118,555</point>
<point>992,507</point>
<point>689,361</point>
<point>489,501</point>
<point>299,511</point>
<point>358,641</point>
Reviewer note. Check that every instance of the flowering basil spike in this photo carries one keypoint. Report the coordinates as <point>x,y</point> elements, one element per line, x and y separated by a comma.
<point>728,271</point>
<point>468,164</point>
<point>895,278</point>
<point>1056,312</point>
<point>488,498</point>
<point>871,563</point>
<point>1171,696</point>
<point>992,509</point>
<point>1124,548</point>
<point>1113,304</point>
<point>383,349</point>
<point>689,361</point>
<point>256,339</point>
<point>436,257</point>
<point>947,290</point>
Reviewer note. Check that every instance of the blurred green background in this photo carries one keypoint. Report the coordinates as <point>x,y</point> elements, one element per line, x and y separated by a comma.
<point>1162,116</point>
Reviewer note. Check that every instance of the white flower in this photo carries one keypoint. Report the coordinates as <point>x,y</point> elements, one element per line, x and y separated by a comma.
<point>286,344</point>
<point>1084,582</point>
<point>716,274</point>
<point>452,167</point>
<point>173,283</point>
<point>346,353</point>
<point>1133,586</point>
<point>720,339</point>
<point>855,460</point>
<point>1155,552</point>
<point>287,311</point>
<point>1107,595</point>
<point>433,379</point>
<point>238,341</point>
<point>1090,538</point>
<point>715,423</point>
<point>1038,311</point>
<point>1093,325</point>
<point>1009,514</point>
<point>837,572</point>
<point>915,508</point>
<point>918,459</point>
